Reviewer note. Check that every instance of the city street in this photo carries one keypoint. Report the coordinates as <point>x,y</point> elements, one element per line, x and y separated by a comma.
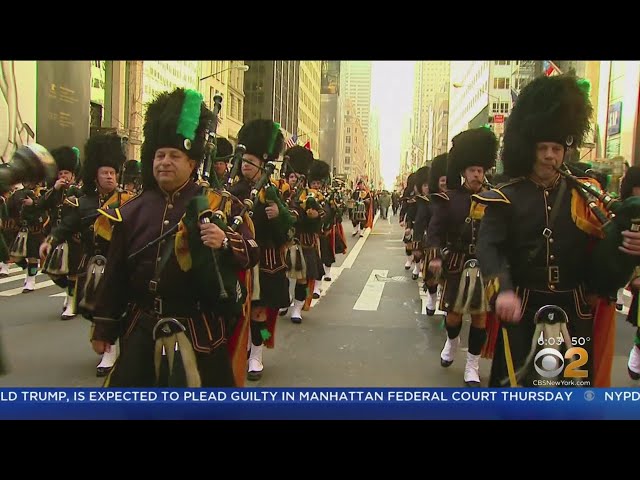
<point>368,329</point>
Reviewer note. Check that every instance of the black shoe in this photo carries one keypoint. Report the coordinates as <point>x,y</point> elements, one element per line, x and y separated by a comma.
<point>633,375</point>
<point>414,276</point>
<point>327,279</point>
<point>431,313</point>
<point>103,371</point>
<point>619,306</point>
<point>254,376</point>
<point>445,363</point>
<point>296,320</point>
<point>283,312</point>
<point>472,384</point>
<point>316,296</point>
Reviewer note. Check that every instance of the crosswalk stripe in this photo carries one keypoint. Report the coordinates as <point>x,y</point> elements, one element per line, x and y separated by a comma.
<point>13,278</point>
<point>16,291</point>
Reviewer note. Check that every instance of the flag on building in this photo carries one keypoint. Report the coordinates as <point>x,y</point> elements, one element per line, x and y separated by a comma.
<point>550,68</point>
<point>293,141</point>
<point>514,97</point>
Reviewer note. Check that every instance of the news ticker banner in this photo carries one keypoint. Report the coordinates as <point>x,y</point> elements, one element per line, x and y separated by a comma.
<point>319,403</point>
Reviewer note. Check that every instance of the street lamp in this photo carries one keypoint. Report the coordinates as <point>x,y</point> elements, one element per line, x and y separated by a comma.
<point>244,68</point>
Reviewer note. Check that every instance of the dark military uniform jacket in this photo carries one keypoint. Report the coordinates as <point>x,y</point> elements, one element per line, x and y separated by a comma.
<point>454,225</point>
<point>519,248</point>
<point>133,286</point>
<point>418,219</point>
<point>80,221</point>
<point>270,235</point>
<point>59,203</point>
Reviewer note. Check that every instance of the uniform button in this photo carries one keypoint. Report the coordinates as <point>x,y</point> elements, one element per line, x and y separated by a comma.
<point>158,259</point>
<point>552,287</point>
<point>551,257</point>
<point>549,207</point>
<point>166,222</point>
<point>551,240</point>
<point>546,192</point>
<point>170,205</point>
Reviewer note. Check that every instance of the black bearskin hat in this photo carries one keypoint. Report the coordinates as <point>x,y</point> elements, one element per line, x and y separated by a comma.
<point>262,138</point>
<point>66,159</point>
<point>438,169</point>
<point>421,176</point>
<point>299,159</point>
<point>320,170</point>
<point>411,182</point>
<point>631,179</point>
<point>223,148</point>
<point>471,148</point>
<point>132,171</point>
<point>549,109</point>
<point>100,151</point>
<point>177,119</point>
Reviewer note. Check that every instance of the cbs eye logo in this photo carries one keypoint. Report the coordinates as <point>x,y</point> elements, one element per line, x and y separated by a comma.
<point>551,321</point>
<point>549,363</point>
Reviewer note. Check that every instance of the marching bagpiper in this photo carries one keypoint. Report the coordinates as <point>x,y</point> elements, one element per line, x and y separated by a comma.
<point>452,236</point>
<point>272,221</point>
<point>91,221</point>
<point>60,201</point>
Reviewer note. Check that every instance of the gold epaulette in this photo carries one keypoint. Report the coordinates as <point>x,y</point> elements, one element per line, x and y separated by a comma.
<point>440,195</point>
<point>490,196</point>
<point>73,201</point>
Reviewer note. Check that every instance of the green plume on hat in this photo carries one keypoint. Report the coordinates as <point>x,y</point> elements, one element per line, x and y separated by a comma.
<point>190,114</point>
<point>76,150</point>
<point>274,135</point>
<point>585,85</point>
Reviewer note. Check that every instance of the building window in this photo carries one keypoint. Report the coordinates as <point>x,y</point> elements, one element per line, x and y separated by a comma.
<point>501,83</point>
<point>348,139</point>
<point>234,106</point>
<point>347,160</point>
<point>347,149</point>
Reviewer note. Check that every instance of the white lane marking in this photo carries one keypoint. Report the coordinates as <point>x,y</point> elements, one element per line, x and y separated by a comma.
<point>16,291</point>
<point>371,294</point>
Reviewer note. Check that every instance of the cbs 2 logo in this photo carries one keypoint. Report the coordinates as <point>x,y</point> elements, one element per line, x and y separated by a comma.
<point>552,363</point>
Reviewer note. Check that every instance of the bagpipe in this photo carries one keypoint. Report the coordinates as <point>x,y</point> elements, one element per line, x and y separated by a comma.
<point>19,246</point>
<point>610,268</point>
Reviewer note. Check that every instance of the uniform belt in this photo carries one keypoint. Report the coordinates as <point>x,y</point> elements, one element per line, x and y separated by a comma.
<point>467,249</point>
<point>170,307</point>
<point>562,278</point>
